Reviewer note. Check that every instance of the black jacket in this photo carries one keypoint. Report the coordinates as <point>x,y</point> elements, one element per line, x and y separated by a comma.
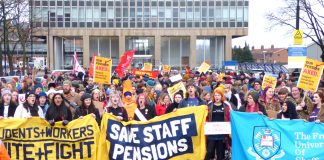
<point>11,109</point>
<point>83,112</point>
<point>58,113</point>
<point>172,107</point>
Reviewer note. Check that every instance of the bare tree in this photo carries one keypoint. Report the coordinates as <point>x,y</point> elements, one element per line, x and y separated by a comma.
<point>311,19</point>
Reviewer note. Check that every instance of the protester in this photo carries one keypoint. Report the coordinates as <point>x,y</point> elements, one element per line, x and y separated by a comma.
<point>38,88</point>
<point>218,111</point>
<point>58,111</point>
<point>91,86</point>
<point>192,97</point>
<point>115,107</point>
<point>7,107</point>
<point>150,97</point>
<point>252,104</point>
<point>230,96</point>
<point>206,97</point>
<point>269,101</point>
<point>71,99</point>
<point>129,105</point>
<point>43,102</point>
<point>317,112</point>
<point>87,107</point>
<point>303,103</point>
<point>29,108</point>
<point>14,97</point>
<point>143,109</point>
<point>163,103</point>
<point>176,100</point>
<point>283,96</point>
<point>257,87</point>
<point>288,111</point>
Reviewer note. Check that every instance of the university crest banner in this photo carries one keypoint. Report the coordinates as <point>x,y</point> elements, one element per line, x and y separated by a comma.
<point>255,137</point>
<point>177,135</point>
<point>34,138</point>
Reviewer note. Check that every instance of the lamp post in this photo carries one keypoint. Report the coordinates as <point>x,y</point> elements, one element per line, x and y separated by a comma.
<point>297,15</point>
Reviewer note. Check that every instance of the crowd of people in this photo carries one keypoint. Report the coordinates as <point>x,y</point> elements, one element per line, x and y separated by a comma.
<point>63,98</point>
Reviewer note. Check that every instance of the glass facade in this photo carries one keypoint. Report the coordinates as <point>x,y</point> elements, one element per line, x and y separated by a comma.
<point>210,50</point>
<point>144,47</point>
<point>105,47</point>
<point>141,13</point>
<point>175,51</point>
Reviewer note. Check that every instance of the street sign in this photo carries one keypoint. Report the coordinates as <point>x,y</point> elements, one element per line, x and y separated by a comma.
<point>298,37</point>
<point>296,56</point>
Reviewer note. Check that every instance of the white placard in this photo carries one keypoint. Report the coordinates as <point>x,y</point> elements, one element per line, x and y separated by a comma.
<point>176,78</point>
<point>21,98</point>
<point>213,128</point>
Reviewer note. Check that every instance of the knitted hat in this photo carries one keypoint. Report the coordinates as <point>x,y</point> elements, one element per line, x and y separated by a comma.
<point>85,96</point>
<point>42,94</point>
<point>127,93</point>
<point>6,91</point>
<point>29,93</point>
<point>255,95</point>
<point>150,83</point>
<point>38,86</point>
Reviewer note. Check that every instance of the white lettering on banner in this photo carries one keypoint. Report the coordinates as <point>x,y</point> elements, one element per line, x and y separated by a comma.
<point>303,142</point>
<point>213,128</point>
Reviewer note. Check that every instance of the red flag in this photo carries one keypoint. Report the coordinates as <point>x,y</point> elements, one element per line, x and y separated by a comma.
<point>91,65</point>
<point>126,59</point>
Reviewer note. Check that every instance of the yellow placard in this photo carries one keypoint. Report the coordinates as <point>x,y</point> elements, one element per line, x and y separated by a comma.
<point>34,138</point>
<point>269,81</point>
<point>310,75</point>
<point>176,136</point>
<point>220,77</point>
<point>166,68</point>
<point>147,67</point>
<point>175,88</point>
<point>204,67</point>
<point>102,70</point>
<point>298,37</point>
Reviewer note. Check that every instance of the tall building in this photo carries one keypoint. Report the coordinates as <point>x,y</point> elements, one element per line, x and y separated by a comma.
<point>174,32</point>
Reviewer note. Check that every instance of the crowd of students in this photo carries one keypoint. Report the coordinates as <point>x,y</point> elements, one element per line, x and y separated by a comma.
<point>140,98</point>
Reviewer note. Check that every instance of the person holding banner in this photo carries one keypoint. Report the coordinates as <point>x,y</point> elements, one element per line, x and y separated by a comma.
<point>43,103</point>
<point>115,107</point>
<point>252,104</point>
<point>58,111</point>
<point>269,101</point>
<point>143,111</point>
<point>218,111</point>
<point>177,97</point>
<point>304,103</point>
<point>317,112</point>
<point>87,107</point>
<point>7,108</point>
<point>14,97</point>
<point>29,108</point>
<point>288,111</point>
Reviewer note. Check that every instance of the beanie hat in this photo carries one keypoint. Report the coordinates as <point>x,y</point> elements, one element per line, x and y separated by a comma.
<point>67,82</point>
<point>38,86</point>
<point>127,93</point>
<point>150,83</point>
<point>85,96</point>
<point>6,91</point>
<point>255,96</point>
<point>29,93</point>
<point>42,94</point>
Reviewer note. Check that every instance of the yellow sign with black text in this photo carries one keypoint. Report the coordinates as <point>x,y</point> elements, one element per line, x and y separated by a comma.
<point>310,75</point>
<point>269,81</point>
<point>102,70</point>
<point>34,138</point>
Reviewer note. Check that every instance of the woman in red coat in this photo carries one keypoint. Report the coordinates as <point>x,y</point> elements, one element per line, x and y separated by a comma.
<point>163,103</point>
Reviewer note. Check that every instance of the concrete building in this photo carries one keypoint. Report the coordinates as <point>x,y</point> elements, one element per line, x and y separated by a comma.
<point>174,32</point>
<point>270,55</point>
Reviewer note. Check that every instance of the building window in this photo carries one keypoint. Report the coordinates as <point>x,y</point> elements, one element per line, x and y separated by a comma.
<point>59,3</point>
<point>74,3</point>
<point>232,13</point>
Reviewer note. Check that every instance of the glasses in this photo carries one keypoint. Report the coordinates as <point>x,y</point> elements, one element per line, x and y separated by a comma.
<point>31,96</point>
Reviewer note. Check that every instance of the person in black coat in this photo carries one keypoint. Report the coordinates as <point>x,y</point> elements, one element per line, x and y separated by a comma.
<point>87,107</point>
<point>252,104</point>
<point>145,110</point>
<point>176,100</point>
<point>7,108</point>
<point>115,107</point>
<point>288,111</point>
<point>58,111</point>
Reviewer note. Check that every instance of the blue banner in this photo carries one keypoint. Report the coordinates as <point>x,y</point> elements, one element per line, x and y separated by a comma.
<point>255,137</point>
<point>297,51</point>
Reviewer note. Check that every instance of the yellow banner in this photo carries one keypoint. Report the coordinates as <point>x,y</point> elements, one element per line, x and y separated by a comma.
<point>177,136</point>
<point>310,75</point>
<point>269,81</point>
<point>175,88</point>
<point>147,67</point>
<point>204,67</point>
<point>102,70</point>
<point>34,138</point>
<point>166,68</point>
<point>298,37</point>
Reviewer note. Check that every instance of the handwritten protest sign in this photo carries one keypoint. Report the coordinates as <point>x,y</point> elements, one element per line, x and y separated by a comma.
<point>102,70</point>
<point>310,75</point>
<point>269,81</point>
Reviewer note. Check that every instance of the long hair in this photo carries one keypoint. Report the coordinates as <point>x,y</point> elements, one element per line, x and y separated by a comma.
<point>28,107</point>
<point>145,99</point>
<point>112,94</point>
<point>57,111</point>
<point>161,99</point>
<point>84,109</point>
